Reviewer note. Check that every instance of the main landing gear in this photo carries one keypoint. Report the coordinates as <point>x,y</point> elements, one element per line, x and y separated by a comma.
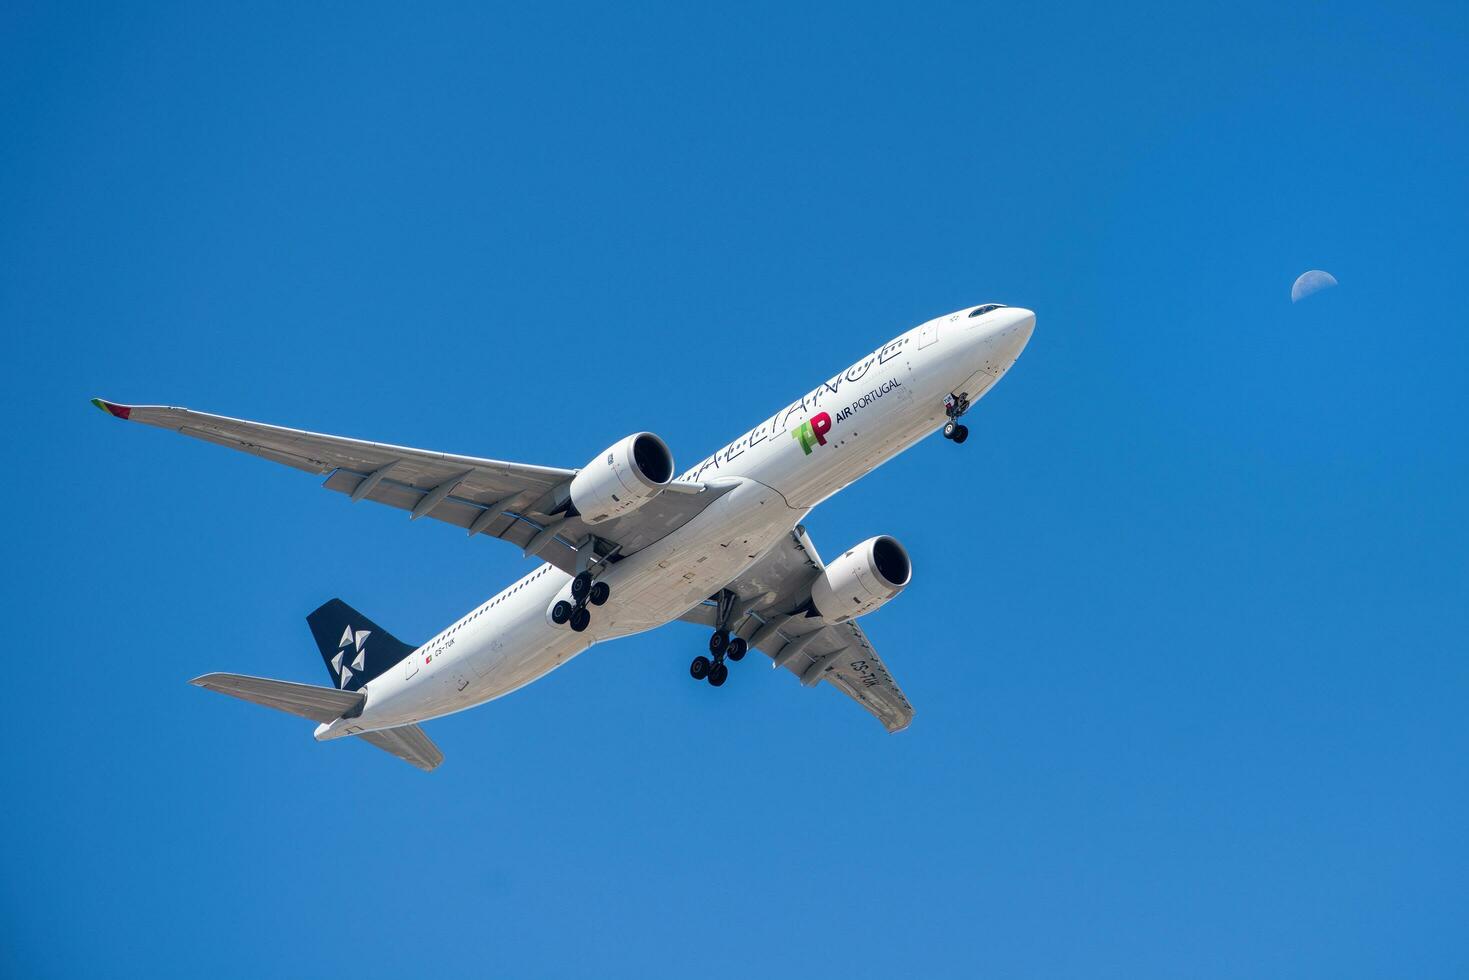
<point>955,406</point>
<point>583,591</point>
<point>722,646</point>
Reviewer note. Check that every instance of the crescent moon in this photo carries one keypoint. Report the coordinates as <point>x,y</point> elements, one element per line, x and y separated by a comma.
<point>1310,282</point>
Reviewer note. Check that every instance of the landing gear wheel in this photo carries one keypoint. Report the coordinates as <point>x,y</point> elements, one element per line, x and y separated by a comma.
<point>950,427</point>
<point>580,619</point>
<point>718,640</point>
<point>961,432</point>
<point>699,669</point>
<point>600,593</point>
<point>561,612</point>
<point>736,649</point>
<point>580,586</point>
<point>718,674</point>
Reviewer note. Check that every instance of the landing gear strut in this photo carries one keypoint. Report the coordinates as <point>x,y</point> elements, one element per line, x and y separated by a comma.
<point>955,406</point>
<point>722,646</point>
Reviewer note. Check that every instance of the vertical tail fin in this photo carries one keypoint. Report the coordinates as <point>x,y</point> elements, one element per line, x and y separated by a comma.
<point>354,648</point>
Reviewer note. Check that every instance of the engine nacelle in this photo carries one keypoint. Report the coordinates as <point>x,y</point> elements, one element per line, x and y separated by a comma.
<point>622,479</point>
<point>862,579</point>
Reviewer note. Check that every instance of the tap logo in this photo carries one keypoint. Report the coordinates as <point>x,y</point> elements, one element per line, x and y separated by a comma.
<point>351,643</point>
<point>812,432</point>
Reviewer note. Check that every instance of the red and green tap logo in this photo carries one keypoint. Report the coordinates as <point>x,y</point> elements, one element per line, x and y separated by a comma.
<point>812,432</point>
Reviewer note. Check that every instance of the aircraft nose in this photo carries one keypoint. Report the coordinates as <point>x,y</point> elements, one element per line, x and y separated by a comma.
<point>1011,331</point>
<point>1024,319</point>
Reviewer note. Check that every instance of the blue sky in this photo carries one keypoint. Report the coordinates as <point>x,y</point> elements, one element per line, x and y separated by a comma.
<point>1187,635</point>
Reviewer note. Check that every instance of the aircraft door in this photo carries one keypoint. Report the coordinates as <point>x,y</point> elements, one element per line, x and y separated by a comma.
<point>928,334</point>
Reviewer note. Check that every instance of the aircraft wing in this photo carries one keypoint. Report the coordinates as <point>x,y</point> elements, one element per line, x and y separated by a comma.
<point>515,502</point>
<point>814,650</point>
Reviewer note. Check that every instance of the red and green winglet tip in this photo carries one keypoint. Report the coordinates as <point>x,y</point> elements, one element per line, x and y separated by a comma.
<point>120,411</point>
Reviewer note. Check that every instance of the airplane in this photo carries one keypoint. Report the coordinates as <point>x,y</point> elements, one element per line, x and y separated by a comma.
<point>628,544</point>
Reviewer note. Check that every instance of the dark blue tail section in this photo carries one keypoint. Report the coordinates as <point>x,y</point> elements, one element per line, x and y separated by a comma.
<point>354,647</point>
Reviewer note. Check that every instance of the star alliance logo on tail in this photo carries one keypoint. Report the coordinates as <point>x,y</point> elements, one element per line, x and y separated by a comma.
<point>351,643</point>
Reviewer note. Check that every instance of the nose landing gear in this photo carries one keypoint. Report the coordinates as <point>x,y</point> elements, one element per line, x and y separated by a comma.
<point>955,406</point>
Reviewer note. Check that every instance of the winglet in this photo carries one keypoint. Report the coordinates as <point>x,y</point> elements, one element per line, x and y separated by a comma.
<point>119,411</point>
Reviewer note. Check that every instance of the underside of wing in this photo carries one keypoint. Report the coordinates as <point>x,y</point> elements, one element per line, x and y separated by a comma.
<point>516,502</point>
<point>772,613</point>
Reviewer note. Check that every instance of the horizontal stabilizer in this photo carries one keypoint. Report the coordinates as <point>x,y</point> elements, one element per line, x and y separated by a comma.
<point>408,743</point>
<point>321,704</point>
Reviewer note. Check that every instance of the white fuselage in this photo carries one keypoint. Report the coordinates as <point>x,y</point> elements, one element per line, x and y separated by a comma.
<point>779,470</point>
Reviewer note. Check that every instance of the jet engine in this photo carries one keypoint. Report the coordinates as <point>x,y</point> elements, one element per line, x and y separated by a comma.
<point>622,479</point>
<point>862,579</point>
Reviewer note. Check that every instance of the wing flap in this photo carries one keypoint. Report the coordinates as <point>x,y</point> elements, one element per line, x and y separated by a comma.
<point>453,509</point>
<point>512,525</point>
<point>264,452</point>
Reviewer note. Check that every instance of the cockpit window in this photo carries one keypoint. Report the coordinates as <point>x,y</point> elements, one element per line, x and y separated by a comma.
<point>986,308</point>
